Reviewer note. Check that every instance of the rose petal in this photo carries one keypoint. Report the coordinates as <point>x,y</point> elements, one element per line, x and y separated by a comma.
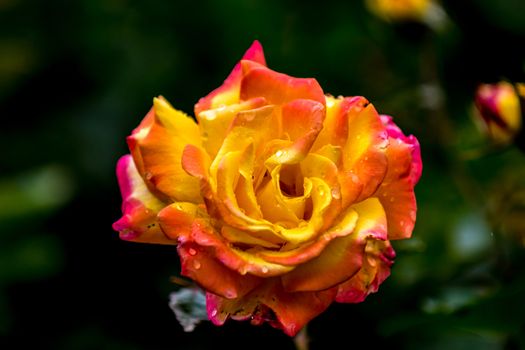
<point>338,112</point>
<point>271,303</point>
<point>228,92</point>
<point>199,264</point>
<point>215,123</point>
<point>321,198</point>
<point>364,159</point>
<point>308,251</point>
<point>396,193</point>
<point>139,207</point>
<point>342,257</point>
<point>277,88</point>
<point>379,257</point>
<point>158,147</point>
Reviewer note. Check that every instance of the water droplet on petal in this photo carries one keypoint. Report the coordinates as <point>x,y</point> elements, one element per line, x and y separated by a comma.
<point>264,269</point>
<point>355,178</point>
<point>192,251</point>
<point>148,175</point>
<point>279,153</point>
<point>413,215</point>
<point>196,264</point>
<point>336,193</point>
<point>402,223</point>
<point>213,312</point>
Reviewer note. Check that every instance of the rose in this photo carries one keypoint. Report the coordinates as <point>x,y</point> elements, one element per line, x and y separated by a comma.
<point>280,199</point>
<point>498,110</point>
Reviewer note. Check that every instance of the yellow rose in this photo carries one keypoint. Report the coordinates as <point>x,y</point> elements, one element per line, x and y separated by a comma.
<point>280,199</point>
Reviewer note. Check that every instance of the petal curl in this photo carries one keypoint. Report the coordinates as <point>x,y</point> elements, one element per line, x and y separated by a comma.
<point>271,303</point>
<point>343,256</point>
<point>139,207</point>
<point>364,159</point>
<point>199,262</point>
<point>228,92</point>
<point>277,88</point>
<point>157,145</point>
<point>187,225</point>
<point>379,257</point>
<point>396,193</point>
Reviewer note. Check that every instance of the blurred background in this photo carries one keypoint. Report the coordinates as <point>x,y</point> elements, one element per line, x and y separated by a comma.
<point>77,76</point>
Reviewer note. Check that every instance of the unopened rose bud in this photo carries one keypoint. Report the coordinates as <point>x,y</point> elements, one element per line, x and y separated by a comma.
<point>499,111</point>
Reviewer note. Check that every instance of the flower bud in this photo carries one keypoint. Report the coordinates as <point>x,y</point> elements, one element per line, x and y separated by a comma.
<point>499,111</point>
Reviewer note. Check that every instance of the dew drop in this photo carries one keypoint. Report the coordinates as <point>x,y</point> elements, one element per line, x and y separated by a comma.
<point>213,312</point>
<point>264,269</point>
<point>196,264</point>
<point>336,193</point>
<point>321,192</point>
<point>279,153</point>
<point>402,223</point>
<point>413,215</point>
<point>355,178</point>
<point>148,175</point>
<point>192,251</point>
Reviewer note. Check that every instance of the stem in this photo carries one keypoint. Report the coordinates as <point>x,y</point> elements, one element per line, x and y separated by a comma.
<point>301,340</point>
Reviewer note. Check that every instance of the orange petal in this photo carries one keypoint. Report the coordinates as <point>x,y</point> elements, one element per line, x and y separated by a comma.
<point>379,257</point>
<point>396,193</point>
<point>228,92</point>
<point>364,159</point>
<point>158,147</point>
<point>194,226</point>
<point>139,207</point>
<point>271,303</point>
<point>312,250</point>
<point>199,264</point>
<point>277,88</point>
<point>342,258</point>
<point>338,111</point>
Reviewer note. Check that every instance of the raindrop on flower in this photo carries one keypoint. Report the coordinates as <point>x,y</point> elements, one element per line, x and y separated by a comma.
<point>192,251</point>
<point>279,153</point>
<point>264,269</point>
<point>402,223</point>
<point>213,312</point>
<point>148,175</point>
<point>336,193</point>
<point>355,178</point>
<point>196,264</point>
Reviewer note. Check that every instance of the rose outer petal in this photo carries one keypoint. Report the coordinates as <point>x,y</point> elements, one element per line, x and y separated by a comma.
<point>271,303</point>
<point>139,207</point>
<point>379,257</point>
<point>228,92</point>
<point>277,88</point>
<point>364,159</point>
<point>396,193</point>
<point>157,145</point>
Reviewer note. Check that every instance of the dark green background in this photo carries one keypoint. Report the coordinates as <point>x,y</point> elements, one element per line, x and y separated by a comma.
<point>77,76</point>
